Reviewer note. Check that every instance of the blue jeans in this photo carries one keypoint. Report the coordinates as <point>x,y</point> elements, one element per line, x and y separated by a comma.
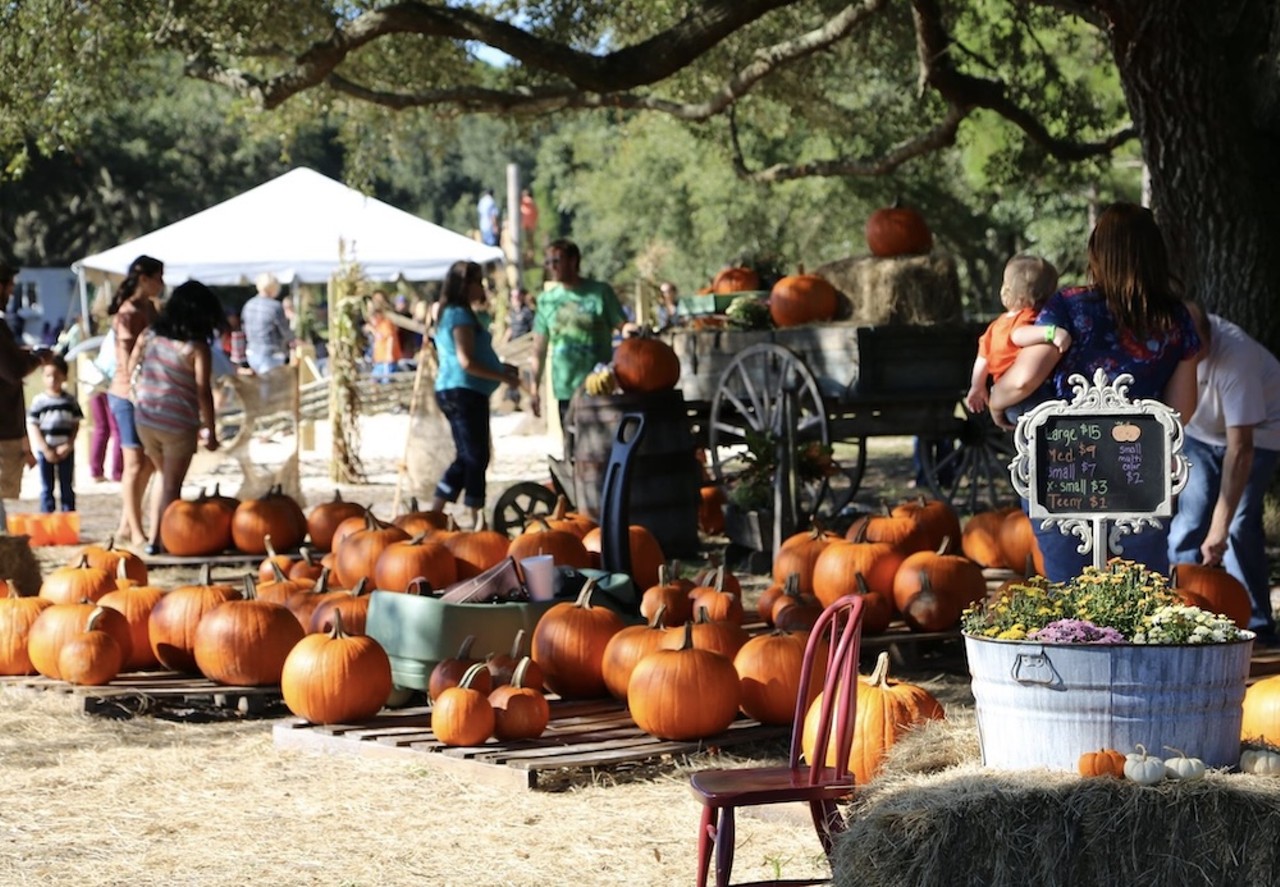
<point>468,415</point>
<point>65,473</point>
<point>122,409</point>
<point>382,372</point>
<point>1062,562</point>
<point>1246,557</point>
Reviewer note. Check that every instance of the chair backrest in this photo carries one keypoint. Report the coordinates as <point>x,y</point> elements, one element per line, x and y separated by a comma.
<point>839,628</point>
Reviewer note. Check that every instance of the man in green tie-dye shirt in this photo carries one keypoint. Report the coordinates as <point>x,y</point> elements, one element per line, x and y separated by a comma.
<point>575,319</point>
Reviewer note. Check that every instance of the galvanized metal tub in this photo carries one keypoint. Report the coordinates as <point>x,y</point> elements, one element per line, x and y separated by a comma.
<point>1043,705</point>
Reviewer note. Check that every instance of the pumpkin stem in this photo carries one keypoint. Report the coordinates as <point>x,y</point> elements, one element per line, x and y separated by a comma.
<point>362,587</point>
<point>419,586</point>
<point>471,673</point>
<point>266,542</point>
<point>206,574</point>
<point>517,677</point>
<point>561,509</point>
<point>1142,749</point>
<point>662,574</point>
<point>336,631</point>
<point>880,674</point>
<point>464,650</point>
<point>861,582</point>
<point>687,644</point>
<point>111,543</point>
<point>704,615</point>
<point>791,585</point>
<point>122,571</point>
<point>517,644</point>
<point>719,586</point>
<point>98,612</point>
<point>275,569</point>
<point>413,504</point>
<point>584,596</point>
<point>250,587</point>
<point>656,621</point>
<point>417,540</point>
<point>942,549</point>
<point>84,562</point>
<point>1177,751</point>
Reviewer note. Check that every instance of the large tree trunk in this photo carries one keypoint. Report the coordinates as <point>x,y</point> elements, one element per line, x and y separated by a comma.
<point>1203,99</point>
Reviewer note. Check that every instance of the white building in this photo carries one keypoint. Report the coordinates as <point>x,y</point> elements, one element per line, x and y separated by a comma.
<point>44,295</point>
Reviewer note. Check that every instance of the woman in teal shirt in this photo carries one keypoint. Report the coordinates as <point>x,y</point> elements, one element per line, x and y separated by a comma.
<point>469,372</point>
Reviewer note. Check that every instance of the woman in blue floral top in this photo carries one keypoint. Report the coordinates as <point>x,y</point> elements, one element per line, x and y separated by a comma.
<point>1128,320</point>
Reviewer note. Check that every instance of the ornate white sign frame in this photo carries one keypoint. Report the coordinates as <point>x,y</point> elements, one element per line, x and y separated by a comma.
<point>1102,397</point>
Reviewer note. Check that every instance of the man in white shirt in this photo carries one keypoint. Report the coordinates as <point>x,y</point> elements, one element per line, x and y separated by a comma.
<point>1233,443</point>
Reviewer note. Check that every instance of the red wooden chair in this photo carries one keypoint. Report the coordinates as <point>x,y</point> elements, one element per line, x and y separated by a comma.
<point>820,784</point>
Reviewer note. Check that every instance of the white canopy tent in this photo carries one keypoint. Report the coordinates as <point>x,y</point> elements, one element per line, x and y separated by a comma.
<point>292,226</point>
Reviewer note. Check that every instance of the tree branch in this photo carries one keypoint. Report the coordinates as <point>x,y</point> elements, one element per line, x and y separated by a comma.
<point>540,99</point>
<point>937,70</point>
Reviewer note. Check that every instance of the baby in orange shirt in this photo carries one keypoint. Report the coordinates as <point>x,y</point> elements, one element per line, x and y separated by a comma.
<point>1028,282</point>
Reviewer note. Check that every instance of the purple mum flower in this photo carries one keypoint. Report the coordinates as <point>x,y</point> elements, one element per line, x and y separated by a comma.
<point>1076,631</point>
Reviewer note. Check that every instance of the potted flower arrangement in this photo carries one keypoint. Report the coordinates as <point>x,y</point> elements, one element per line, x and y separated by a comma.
<point>1109,659</point>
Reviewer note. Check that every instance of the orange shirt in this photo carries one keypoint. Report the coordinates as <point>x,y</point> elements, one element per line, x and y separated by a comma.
<point>994,344</point>
<point>386,342</point>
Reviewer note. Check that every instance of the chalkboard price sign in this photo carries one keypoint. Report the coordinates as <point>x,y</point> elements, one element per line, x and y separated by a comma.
<point>1102,464</point>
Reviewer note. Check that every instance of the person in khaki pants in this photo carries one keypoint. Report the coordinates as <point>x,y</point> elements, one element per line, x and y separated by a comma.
<point>15,363</point>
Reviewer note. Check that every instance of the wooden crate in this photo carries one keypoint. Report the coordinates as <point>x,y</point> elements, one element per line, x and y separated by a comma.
<point>167,694</point>
<point>582,736</point>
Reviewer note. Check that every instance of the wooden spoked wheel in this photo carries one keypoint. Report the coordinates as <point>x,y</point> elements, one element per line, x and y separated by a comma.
<point>765,396</point>
<point>521,503</point>
<point>971,470</point>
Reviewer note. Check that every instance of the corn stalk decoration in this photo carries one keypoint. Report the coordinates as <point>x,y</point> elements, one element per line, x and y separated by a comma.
<point>347,291</point>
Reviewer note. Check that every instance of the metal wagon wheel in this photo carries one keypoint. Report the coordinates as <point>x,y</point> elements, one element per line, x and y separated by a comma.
<point>750,407</point>
<point>520,503</point>
<point>974,475</point>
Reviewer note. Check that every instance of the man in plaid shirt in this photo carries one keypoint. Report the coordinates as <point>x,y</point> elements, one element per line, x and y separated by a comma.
<point>266,327</point>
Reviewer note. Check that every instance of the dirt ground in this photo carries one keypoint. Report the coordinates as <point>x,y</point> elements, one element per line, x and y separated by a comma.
<point>149,801</point>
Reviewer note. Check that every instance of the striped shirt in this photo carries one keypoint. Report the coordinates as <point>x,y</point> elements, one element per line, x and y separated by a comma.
<point>164,395</point>
<point>56,415</point>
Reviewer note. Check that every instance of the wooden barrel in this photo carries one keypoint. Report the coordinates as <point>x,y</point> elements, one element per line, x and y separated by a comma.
<point>665,475</point>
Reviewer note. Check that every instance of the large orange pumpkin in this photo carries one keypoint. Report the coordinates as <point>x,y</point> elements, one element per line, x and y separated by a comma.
<point>735,280</point>
<point>1221,592</point>
<point>1262,712</point>
<point>646,552</point>
<point>245,642</point>
<point>564,547</point>
<point>836,568</point>
<point>799,553</point>
<point>176,616</point>
<point>325,518</point>
<point>768,667</point>
<point>135,604</point>
<point>476,550</point>
<point>198,527</point>
<point>335,677</point>
<point>405,560</point>
<point>17,615</point>
<point>684,693</point>
<point>358,552</point>
<point>980,540</point>
<point>569,642</point>
<point>643,364</point>
<point>802,298</point>
<point>886,710</point>
<point>625,650</point>
<point>60,623</point>
<point>92,657</point>
<point>276,515</point>
<point>898,231</point>
<point>109,558</point>
<point>73,584</point>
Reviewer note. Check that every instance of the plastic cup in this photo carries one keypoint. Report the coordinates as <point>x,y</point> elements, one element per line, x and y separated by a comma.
<point>539,576</point>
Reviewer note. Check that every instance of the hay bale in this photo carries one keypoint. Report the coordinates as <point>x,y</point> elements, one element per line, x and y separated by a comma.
<point>18,564</point>
<point>968,825</point>
<point>903,289</point>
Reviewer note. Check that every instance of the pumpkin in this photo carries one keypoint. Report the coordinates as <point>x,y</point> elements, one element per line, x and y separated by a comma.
<point>244,642</point>
<point>625,650</point>
<point>503,665</point>
<point>980,539</point>
<point>1260,761</point>
<point>646,553</point>
<point>415,520</point>
<point>769,667</point>
<point>110,558</point>
<point>353,524</point>
<point>59,623</point>
<point>17,615</point>
<point>766,600</point>
<point>274,514</point>
<point>407,559</point>
<point>886,710</point>
<point>735,280</point>
<point>561,518</point>
<point>335,677</point>
<point>564,547</point>
<point>644,364</point>
<point>903,532</point>
<point>352,603</point>
<point>462,715</point>
<point>92,657</point>
<point>798,553</point>
<point>1223,592</point>
<point>725,638</point>
<point>1143,768</point>
<point>324,519</point>
<point>476,551</point>
<point>720,604</point>
<point>569,642</point>
<point>802,298</point>
<point>198,527</point>
<point>841,561</point>
<point>304,602</point>
<point>135,604</point>
<point>684,693</point>
<point>898,231</point>
<point>448,672</point>
<point>358,552</point>
<point>1261,721</point>
<point>283,562</point>
<point>954,582</point>
<point>1018,543</point>
<point>520,711</point>
<point>877,608</point>
<point>668,596</point>
<point>1181,766</point>
<point>795,610</point>
<point>1104,762</point>
<point>73,584</point>
<point>306,566</point>
<point>279,587</point>
<point>937,520</point>
<point>711,502</point>
<point>176,616</point>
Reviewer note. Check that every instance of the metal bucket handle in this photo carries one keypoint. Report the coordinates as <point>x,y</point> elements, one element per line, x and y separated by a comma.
<point>1035,668</point>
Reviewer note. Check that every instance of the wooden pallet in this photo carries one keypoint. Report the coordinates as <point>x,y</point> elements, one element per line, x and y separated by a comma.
<point>582,736</point>
<point>162,694</point>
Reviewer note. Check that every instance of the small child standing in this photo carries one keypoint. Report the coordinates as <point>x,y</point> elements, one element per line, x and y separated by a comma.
<point>1028,282</point>
<point>53,420</point>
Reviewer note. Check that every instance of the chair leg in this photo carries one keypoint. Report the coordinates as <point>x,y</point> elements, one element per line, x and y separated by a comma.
<point>724,847</point>
<point>827,822</point>
<point>706,834</point>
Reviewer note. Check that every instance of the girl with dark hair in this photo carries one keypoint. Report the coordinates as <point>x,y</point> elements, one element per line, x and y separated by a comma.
<point>173,394</point>
<point>469,372</point>
<point>132,310</point>
<point>1128,320</point>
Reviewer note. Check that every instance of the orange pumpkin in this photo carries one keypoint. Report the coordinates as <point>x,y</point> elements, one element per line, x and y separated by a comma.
<point>244,642</point>
<point>199,527</point>
<point>625,650</point>
<point>1103,762</point>
<point>711,502</point>
<point>643,364</point>
<point>520,711</point>
<point>336,677</point>
<point>841,561</point>
<point>937,520</point>
<point>325,518</point>
<point>274,514</point>
<point>358,552</point>
<point>1261,722</point>
<point>407,559</point>
<point>725,638</point>
<point>60,623</point>
<point>735,280</point>
<point>898,231</point>
<point>669,596</point>
<point>135,604</point>
<point>684,692</point>
<point>1222,592</point>
<point>110,558</point>
<point>569,642</point>
<point>174,619</point>
<point>646,552</point>
<point>92,657</point>
<point>565,548</point>
<point>73,584</point>
<point>17,615</point>
<point>798,553</point>
<point>802,298</point>
<point>980,539</point>
<point>768,667</point>
<point>462,714</point>
<point>475,551</point>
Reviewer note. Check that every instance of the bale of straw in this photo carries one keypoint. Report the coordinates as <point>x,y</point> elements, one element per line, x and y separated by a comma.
<point>903,289</point>
<point>18,564</point>
<point>967,825</point>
